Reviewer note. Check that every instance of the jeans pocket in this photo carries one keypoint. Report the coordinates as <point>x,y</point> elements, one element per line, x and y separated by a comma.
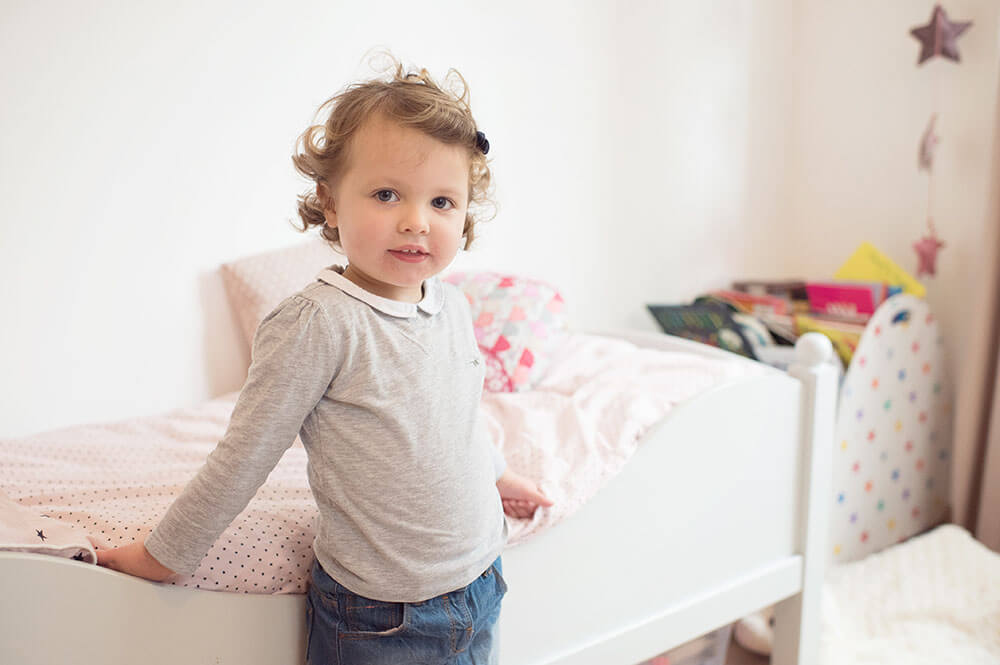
<point>501,582</point>
<point>309,625</point>
<point>369,617</point>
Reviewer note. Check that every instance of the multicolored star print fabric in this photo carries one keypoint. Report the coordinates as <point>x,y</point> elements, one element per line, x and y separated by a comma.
<point>893,437</point>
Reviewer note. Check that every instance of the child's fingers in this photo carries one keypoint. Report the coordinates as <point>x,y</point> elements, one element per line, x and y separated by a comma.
<point>519,507</point>
<point>537,495</point>
<point>113,560</point>
<point>108,559</point>
<point>102,557</point>
<point>133,559</point>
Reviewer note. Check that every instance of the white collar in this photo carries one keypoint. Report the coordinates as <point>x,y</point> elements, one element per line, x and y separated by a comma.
<point>431,303</point>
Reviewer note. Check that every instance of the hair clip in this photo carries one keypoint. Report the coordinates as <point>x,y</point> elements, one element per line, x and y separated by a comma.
<point>481,142</point>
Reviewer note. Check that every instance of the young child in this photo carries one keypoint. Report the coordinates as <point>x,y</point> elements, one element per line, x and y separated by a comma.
<point>376,367</point>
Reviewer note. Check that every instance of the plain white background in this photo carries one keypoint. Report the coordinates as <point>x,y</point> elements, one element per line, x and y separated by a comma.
<point>642,151</point>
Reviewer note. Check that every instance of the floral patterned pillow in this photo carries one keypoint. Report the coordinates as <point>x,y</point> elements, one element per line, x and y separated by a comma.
<point>518,322</point>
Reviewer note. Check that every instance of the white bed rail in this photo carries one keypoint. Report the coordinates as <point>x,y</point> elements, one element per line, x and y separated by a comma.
<point>797,618</point>
<point>735,485</point>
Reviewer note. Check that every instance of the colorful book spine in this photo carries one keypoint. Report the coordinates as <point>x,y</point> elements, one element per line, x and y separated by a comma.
<point>751,303</point>
<point>844,341</point>
<point>848,299</point>
<point>789,289</point>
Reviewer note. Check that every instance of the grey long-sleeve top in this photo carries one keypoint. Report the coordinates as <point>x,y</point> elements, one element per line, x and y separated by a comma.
<point>385,396</point>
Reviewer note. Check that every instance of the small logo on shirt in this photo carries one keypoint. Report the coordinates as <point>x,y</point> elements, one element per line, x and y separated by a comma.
<point>475,362</point>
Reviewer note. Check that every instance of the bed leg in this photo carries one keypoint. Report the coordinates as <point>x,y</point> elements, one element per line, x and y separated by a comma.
<point>797,618</point>
<point>794,643</point>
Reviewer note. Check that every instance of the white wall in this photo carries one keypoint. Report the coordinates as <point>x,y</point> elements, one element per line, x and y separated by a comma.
<point>861,107</point>
<point>696,192</point>
<point>638,154</point>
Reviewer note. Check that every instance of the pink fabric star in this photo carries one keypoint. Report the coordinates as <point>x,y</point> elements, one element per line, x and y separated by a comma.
<point>938,37</point>
<point>927,249</point>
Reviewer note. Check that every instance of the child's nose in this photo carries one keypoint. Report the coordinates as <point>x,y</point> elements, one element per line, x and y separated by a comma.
<point>413,220</point>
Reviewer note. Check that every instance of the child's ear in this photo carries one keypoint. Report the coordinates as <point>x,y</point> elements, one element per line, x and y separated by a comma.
<point>326,201</point>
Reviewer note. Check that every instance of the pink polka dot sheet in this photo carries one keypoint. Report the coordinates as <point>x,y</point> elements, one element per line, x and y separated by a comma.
<point>113,482</point>
<point>572,433</point>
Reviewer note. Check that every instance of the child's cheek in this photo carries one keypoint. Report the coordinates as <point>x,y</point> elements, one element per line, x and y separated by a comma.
<point>367,229</point>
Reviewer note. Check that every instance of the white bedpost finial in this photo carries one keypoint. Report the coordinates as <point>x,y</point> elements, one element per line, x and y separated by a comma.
<point>813,349</point>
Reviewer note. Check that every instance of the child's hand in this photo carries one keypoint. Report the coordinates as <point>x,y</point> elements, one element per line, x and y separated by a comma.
<point>520,496</point>
<point>134,559</point>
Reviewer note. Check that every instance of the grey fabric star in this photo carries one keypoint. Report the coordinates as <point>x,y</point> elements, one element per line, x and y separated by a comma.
<point>938,37</point>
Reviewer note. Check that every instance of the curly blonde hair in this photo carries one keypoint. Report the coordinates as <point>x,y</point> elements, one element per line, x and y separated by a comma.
<point>413,99</point>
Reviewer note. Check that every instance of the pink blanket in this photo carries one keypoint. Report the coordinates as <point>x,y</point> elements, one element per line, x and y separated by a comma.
<point>113,481</point>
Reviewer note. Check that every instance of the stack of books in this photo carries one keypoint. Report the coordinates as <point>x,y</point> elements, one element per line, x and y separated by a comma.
<point>762,319</point>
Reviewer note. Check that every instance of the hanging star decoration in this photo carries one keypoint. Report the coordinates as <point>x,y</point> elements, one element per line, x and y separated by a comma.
<point>928,246</point>
<point>927,249</point>
<point>939,36</point>
<point>928,144</point>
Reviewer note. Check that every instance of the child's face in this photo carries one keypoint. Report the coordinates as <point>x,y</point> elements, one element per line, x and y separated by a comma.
<point>401,189</point>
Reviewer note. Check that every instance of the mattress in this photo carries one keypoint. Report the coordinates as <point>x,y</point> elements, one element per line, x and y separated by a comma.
<point>111,482</point>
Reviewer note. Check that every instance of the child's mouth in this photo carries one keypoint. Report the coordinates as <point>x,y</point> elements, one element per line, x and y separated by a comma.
<point>409,257</point>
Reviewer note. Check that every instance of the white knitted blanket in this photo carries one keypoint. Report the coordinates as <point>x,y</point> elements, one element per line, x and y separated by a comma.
<point>931,600</point>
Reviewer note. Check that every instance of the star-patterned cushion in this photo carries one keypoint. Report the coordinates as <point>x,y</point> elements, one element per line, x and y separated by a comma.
<point>519,324</point>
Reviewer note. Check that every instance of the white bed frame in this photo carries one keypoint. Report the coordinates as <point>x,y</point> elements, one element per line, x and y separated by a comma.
<point>723,510</point>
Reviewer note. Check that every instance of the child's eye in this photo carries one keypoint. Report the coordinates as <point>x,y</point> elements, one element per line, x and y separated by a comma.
<point>385,195</point>
<point>442,203</point>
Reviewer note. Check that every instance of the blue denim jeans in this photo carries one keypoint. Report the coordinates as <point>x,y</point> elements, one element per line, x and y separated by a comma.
<point>455,628</point>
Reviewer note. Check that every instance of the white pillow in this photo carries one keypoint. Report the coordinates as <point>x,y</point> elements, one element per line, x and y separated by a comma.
<point>256,284</point>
